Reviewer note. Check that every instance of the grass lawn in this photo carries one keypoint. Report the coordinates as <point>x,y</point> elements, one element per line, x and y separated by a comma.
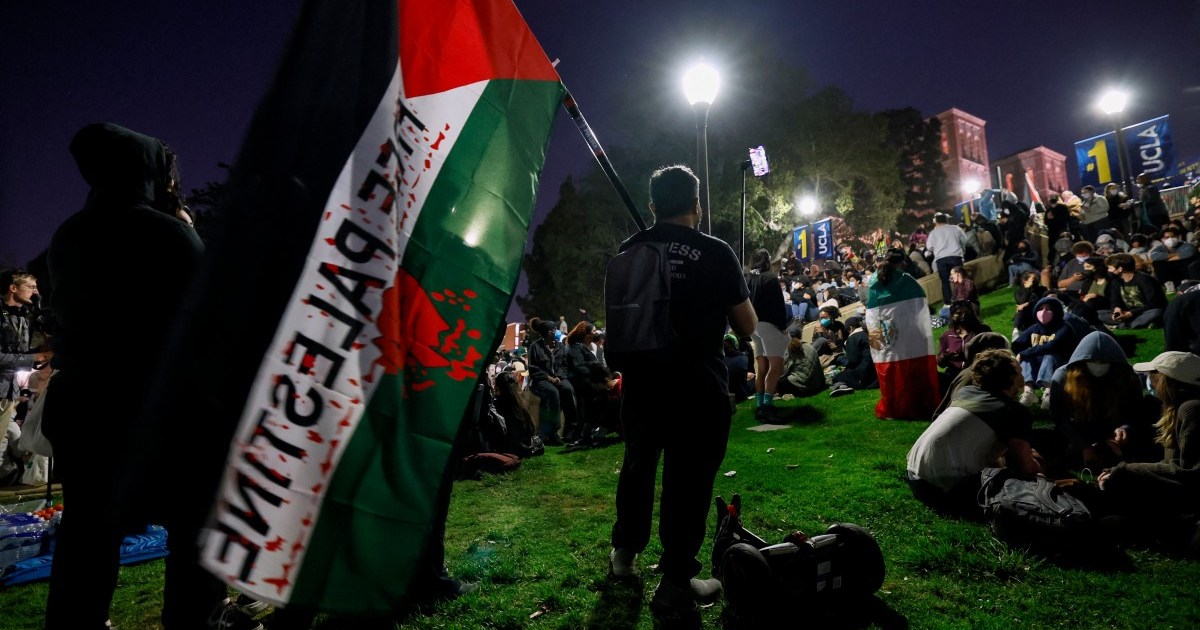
<point>537,539</point>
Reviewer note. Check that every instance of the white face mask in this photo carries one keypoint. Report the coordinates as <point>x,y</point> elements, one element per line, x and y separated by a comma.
<point>1171,243</point>
<point>1097,368</point>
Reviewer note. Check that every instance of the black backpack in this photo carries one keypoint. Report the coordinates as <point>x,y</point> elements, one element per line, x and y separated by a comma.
<point>763,582</point>
<point>637,303</point>
<point>1034,513</point>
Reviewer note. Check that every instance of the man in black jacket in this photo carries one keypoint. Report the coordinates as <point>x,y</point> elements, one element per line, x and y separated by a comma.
<point>1137,299</point>
<point>1182,323</point>
<point>548,381</point>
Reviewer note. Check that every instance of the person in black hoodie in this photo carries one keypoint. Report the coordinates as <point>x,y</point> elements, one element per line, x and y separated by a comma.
<point>860,367</point>
<point>126,231</point>
<point>1029,291</point>
<point>770,337</point>
<point>1182,322</point>
<point>1043,347</point>
<point>548,381</point>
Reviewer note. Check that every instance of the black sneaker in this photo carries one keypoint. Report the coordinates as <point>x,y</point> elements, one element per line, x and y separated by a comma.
<point>766,413</point>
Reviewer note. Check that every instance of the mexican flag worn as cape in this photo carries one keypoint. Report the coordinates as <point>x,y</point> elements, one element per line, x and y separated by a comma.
<point>374,230</point>
<point>901,338</point>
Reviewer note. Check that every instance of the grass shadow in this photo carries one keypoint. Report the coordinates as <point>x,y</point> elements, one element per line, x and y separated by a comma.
<point>619,606</point>
<point>860,613</point>
<point>1129,343</point>
<point>799,414</point>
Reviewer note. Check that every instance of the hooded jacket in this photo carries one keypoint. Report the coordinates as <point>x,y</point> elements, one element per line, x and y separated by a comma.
<point>1040,339</point>
<point>122,265</point>
<point>1135,416</point>
<point>803,370</point>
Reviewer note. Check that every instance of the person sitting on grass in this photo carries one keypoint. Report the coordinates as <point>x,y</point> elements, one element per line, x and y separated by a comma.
<point>802,373</point>
<point>983,427</point>
<point>975,347</point>
<point>1098,408</point>
<point>1162,499</point>
<point>741,371</point>
<point>860,367</point>
<point>830,327</point>
<point>1028,292</point>
<point>1137,299</point>
<point>1043,347</point>
<point>964,325</point>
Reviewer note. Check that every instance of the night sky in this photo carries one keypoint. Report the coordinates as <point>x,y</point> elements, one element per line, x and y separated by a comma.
<point>192,72</point>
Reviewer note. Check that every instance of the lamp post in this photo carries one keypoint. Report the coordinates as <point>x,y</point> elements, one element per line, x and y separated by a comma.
<point>700,85</point>
<point>1113,103</point>
<point>808,205</point>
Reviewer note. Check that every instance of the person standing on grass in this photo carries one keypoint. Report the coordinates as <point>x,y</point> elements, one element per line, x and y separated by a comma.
<point>947,242</point>
<point>770,338</point>
<point>676,404</point>
<point>901,338</point>
<point>125,241</point>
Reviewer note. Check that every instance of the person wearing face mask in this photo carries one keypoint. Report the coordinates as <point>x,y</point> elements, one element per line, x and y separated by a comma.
<point>1043,347</point>
<point>1022,259</point>
<point>1071,277</point>
<point>1100,414</point>
<point>1137,299</point>
<point>1172,258</point>
<point>1120,211</point>
<point>1094,213</point>
<point>964,326</point>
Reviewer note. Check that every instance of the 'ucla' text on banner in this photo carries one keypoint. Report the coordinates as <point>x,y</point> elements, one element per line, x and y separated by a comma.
<point>823,239</point>
<point>1149,149</point>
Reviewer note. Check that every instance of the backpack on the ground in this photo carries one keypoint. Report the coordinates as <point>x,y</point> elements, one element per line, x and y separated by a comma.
<point>637,302</point>
<point>842,567</point>
<point>1034,513</point>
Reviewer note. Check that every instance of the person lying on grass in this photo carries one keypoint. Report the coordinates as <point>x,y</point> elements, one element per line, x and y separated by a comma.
<point>983,427</point>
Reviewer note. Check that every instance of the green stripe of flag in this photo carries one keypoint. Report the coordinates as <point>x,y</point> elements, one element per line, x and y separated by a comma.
<point>902,287</point>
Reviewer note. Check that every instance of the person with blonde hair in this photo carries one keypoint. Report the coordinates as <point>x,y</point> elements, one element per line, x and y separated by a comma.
<point>1163,498</point>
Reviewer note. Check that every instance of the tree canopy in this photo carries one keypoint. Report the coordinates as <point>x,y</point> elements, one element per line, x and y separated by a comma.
<point>865,168</point>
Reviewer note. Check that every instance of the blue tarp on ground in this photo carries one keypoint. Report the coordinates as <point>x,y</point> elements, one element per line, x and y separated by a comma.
<point>134,549</point>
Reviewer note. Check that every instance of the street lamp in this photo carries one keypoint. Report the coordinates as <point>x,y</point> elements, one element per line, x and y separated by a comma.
<point>700,85</point>
<point>808,205</point>
<point>1112,103</point>
<point>970,187</point>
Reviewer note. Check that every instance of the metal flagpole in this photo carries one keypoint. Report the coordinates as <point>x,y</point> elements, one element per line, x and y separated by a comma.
<point>573,109</point>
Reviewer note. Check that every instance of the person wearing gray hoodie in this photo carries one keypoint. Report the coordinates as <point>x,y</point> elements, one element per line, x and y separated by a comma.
<point>1098,408</point>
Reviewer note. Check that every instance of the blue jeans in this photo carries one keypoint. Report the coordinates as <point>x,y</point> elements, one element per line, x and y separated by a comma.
<point>1148,316</point>
<point>1015,271</point>
<point>944,265</point>
<point>800,311</point>
<point>1045,366</point>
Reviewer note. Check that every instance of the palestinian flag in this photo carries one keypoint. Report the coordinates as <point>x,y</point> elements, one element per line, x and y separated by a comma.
<point>901,338</point>
<point>374,231</point>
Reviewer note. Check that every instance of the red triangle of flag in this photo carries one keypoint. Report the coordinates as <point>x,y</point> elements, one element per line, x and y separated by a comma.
<point>446,44</point>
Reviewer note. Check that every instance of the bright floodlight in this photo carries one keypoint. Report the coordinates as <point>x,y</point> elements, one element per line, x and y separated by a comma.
<point>1113,101</point>
<point>808,205</point>
<point>970,186</point>
<point>700,84</point>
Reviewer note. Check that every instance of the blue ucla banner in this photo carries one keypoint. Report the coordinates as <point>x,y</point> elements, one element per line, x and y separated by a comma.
<point>1149,147</point>
<point>823,239</point>
<point>964,210</point>
<point>800,243</point>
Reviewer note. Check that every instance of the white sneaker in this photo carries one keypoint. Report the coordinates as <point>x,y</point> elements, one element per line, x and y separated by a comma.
<point>1028,398</point>
<point>670,598</point>
<point>1016,333</point>
<point>622,563</point>
<point>1046,398</point>
<point>1169,286</point>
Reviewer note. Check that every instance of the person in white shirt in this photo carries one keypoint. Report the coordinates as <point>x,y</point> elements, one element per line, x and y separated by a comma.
<point>946,241</point>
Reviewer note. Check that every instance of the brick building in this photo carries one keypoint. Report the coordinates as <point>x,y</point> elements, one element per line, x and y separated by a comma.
<point>964,151</point>
<point>1047,169</point>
